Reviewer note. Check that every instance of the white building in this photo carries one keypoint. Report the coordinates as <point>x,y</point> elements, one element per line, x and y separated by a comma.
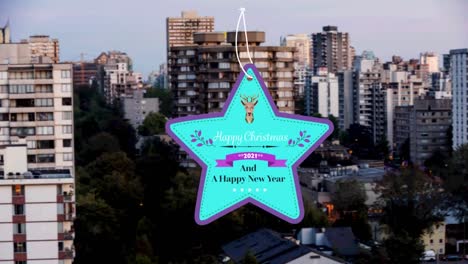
<point>36,211</point>
<point>459,74</point>
<point>36,160</point>
<point>36,103</point>
<point>322,94</point>
<point>120,80</point>
<point>136,107</point>
<point>431,59</point>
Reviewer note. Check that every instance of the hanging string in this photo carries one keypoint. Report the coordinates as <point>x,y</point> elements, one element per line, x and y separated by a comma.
<point>242,15</point>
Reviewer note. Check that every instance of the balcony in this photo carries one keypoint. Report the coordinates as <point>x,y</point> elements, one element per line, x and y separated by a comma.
<point>18,199</point>
<point>19,238</point>
<point>67,235</point>
<point>66,254</point>
<point>21,256</point>
<point>19,219</point>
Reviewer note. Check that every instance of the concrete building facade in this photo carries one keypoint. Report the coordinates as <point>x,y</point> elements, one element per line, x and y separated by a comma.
<point>425,124</point>
<point>136,107</point>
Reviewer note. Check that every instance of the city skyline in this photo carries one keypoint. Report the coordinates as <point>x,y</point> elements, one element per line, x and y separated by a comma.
<point>384,28</point>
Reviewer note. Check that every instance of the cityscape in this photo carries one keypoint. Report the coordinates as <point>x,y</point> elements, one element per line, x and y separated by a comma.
<point>88,173</point>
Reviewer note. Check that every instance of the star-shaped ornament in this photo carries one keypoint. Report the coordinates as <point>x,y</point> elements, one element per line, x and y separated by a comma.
<point>249,152</point>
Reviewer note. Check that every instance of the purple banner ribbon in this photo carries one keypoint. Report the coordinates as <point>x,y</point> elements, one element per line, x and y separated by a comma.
<point>271,159</point>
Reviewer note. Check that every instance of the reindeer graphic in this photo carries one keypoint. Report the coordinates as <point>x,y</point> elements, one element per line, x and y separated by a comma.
<point>249,103</point>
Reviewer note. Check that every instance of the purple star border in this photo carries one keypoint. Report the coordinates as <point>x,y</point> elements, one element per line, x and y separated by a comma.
<point>204,166</point>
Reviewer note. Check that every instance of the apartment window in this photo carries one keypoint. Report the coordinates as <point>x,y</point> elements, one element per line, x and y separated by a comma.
<point>67,143</point>
<point>20,262</point>
<point>3,75</point>
<point>60,225</point>
<point>441,241</point>
<point>60,208</point>
<point>24,103</point>
<point>19,228</point>
<point>45,116</point>
<point>17,190</point>
<point>4,131</point>
<point>45,130</point>
<point>224,65</point>
<point>31,158</point>
<point>67,129</point>
<point>60,245</point>
<point>67,115</point>
<point>431,241</point>
<point>66,74</point>
<point>3,88</point>
<point>43,74</point>
<point>66,88</point>
<point>4,117</point>
<point>31,144</point>
<point>45,158</point>
<point>20,247</point>
<point>19,209</point>
<point>45,144</point>
<point>21,89</point>
<point>44,102</point>
<point>66,101</point>
<point>22,131</point>
<point>67,156</point>
<point>44,88</point>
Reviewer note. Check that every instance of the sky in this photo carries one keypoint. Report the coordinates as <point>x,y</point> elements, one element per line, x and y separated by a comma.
<point>392,27</point>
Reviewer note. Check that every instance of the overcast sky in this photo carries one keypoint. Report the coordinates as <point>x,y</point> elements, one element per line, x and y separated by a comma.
<point>137,27</point>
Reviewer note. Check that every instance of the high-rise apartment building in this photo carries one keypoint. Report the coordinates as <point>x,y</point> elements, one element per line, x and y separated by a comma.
<point>459,75</point>
<point>431,59</point>
<point>425,124</point>
<point>179,30</point>
<point>36,103</point>
<point>202,75</point>
<point>302,44</point>
<point>347,98</point>
<point>322,94</point>
<point>115,75</point>
<point>43,46</point>
<point>36,210</point>
<point>37,158</point>
<point>331,49</point>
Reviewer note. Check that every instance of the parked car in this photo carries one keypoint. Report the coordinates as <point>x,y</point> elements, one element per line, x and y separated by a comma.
<point>452,257</point>
<point>428,255</point>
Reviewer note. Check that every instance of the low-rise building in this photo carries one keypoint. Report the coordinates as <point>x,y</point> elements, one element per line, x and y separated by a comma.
<point>136,107</point>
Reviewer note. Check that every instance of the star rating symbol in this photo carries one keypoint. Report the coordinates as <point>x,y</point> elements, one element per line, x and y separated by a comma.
<point>245,161</point>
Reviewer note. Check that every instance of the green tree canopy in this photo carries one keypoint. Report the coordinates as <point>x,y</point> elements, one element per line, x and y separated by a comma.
<point>154,124</point>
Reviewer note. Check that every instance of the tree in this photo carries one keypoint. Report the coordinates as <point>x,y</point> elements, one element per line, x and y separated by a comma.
<point>349,200</point>
<point>455,178</point>
<point>154,124</point>
<point>250,258</point>
<point>336,130</point>
<point>165,99</point>
<point>412,203</point>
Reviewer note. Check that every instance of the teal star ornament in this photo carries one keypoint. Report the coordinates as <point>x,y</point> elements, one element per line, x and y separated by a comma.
<point>249,152</point>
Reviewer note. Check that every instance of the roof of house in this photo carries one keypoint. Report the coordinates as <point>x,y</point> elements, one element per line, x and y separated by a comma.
<point>267,246</point>
<point>342,240</point>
